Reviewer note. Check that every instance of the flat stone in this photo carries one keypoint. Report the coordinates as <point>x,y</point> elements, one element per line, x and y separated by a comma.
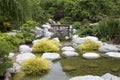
<point>70,53</point>
<point>68,48</point>
<point>91,55</point>
<point>87,77</point>
<point>113,54</point>
<point>24,49</point>
<point>51,56</point>
<point>108,48</point>
<point>20,58</point>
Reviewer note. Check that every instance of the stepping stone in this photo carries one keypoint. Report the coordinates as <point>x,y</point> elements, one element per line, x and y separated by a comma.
<point>68,48</point>
<point>108,48</point>
<point>113,54</point>
<point>25,49</point>
<point>91,55</point>
<point>51,56</point>
<point>70,53</point>
<point>20,58</point>
<point>87,77</point>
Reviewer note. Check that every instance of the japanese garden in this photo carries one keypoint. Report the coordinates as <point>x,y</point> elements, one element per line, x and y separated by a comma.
<point>59,39</point>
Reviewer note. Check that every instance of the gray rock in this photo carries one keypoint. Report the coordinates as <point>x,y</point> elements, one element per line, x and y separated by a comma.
<point>87,77</point>
<point>108,48</point>
<point>109,76</point>
<point>11,70</point>
<point>113,54</point>
<point>11,55</point>
<point>24,49</point>
<point>51,56</point>
<point>20,58</point>
<point>70,53</point>
<point>91,55</point>
<point>68,48</point>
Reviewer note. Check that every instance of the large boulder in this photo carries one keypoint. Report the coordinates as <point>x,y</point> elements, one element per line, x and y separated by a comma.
<point>51,56</point>
<point>108,48</point>
<point>24,49</point>
<point>20,58</point>
<point>70,53</point>
<point>87,77</point>
<point>68,48</point>
<point>91,55</point>
<point>113,54</point>
<point>109,76</point>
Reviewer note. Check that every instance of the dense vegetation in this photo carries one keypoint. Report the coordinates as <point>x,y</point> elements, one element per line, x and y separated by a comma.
<point>15,12</point>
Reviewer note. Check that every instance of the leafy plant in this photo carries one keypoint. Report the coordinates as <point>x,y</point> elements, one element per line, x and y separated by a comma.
<point>5,62</point>
<point>76,25</point>
<point>46,45</point>
<point>109,30</point>
<point>89,46</point>
<point>36,66</point>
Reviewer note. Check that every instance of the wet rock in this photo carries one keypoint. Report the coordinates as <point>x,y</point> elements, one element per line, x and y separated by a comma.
<point>91,55</point>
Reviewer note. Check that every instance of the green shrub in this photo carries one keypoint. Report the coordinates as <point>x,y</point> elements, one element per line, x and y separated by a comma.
<point>5,62</point>
<point>89,46</point>
<point>85,31</point>
<point>76,25</point>
<point>66,20</point>
<point>36,66</point>
<point>108,30</point>
<point>15,41</point>
<point>46,45</point>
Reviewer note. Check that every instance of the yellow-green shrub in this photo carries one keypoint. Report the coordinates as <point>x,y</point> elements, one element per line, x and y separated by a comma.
<point>89,46</point>
<point>46,45</point>
<point>36,66</point>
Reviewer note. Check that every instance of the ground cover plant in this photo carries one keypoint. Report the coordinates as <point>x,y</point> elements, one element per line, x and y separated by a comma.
<point>46,45</point>
<point>35,66</point>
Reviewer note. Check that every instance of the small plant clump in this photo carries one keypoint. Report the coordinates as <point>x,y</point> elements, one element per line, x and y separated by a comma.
<point>35,66</point>
<point>89,46</point>
<point>46,45</point>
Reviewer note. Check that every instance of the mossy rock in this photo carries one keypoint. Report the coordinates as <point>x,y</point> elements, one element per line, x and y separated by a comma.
<point>115,69</point>
<point>68,68</point>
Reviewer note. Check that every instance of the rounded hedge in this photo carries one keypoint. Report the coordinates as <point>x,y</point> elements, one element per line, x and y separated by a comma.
<point>46,45</point>
<point>35,66</point>
<point>89,46</point>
